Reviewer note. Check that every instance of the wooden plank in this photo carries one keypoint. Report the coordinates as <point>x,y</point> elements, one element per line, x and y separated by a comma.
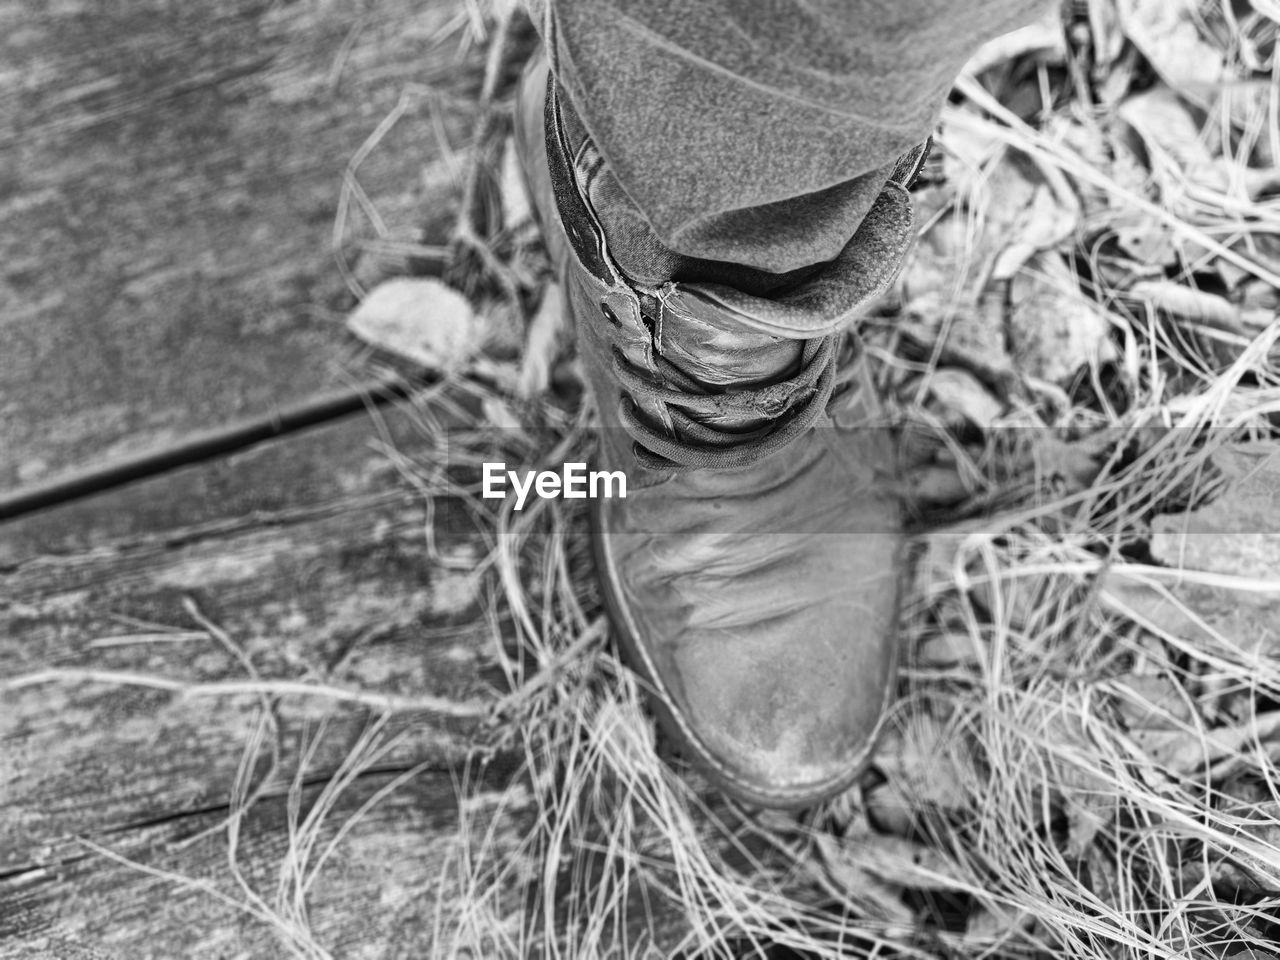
<point>262,485</point>
<point>170,175</point>
<point>227,573</point>
<point>374,897</point>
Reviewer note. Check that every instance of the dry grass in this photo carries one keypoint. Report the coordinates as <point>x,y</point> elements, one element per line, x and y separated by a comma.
<point>1079,764</point>
<point>1066,775</point>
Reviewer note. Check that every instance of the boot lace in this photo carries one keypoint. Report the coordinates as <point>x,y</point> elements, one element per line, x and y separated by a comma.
<point>791,406</point>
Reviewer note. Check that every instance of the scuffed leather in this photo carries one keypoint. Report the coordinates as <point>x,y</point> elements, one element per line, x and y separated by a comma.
<point>763,600</point>
<point>760,603</point>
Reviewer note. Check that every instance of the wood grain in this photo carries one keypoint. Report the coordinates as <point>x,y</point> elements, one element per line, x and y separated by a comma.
<point>320,584</point>
<point>170,175</point>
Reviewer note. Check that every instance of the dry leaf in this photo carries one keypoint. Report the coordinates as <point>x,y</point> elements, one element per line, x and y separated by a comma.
<point>1043,223</point>
<point>1011,601</point>
<point>1055,329</point>
<point>985,928</point>
<point>1143,236</point>
<point>1259,303</point>
<point>543,342</point>
<point>1116,82</point>
<point>1259,853</point>
<point>933,274</point>
<point>851,877</point>
<point>966,150</point>
<point>1010,211</point>
<point>1090,143</point>
<point>1239,532</point>
<point>943,285</point>
<point>1019,208</point>
<point>1236,540</point>
<point>947,650</point>
<point>516,208</point>
<point>1108,39</point>
<point>1207,613</point>
<point>1189,751</point>
<point>1152,607</point>
<point>421,320</point>
<point>960,393</point>
<point>1105,868</point>
<point>1191,304</point>
<point>1248,101</point>
<point>926,769</point>
<point>897,860</point>
<point>1152,702</point>
<point>1149,241</point>
<point>1241,953</point>
<point>1178,153</point>
<point>1166,33</point>
<point>1087,798</point>
<point>1043,39</point>
<point>938,290</point>
<point>498,414</point>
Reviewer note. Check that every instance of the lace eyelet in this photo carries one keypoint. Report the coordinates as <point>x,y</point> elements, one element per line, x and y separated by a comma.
<point>609,315</point>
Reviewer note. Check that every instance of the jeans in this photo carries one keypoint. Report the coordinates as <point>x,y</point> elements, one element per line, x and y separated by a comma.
<point>750,138</point>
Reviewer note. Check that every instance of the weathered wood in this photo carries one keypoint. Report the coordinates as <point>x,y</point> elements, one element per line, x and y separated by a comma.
<point>228,573</point>
<point>170,174</point>
<point>375,897</point>
<point>266,484</point>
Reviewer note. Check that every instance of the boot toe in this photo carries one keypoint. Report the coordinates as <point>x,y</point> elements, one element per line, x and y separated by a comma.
<point>772,657</point>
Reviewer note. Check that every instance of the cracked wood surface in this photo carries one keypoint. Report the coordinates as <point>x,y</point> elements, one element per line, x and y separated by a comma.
<point>327,582</point>
<point>169,179</point>
<point>170,175</point>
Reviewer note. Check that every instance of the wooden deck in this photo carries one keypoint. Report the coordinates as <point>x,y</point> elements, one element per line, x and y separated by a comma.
<point>170,175</point>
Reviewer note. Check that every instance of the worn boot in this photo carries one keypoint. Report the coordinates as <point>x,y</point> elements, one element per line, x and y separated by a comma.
<point>752,571</point>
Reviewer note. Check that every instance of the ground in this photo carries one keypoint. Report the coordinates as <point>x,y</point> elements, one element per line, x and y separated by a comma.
<point>307,695</point>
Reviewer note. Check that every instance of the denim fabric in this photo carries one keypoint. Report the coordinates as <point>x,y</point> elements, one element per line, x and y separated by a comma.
<point>756,133</point>
<point>819,300</point>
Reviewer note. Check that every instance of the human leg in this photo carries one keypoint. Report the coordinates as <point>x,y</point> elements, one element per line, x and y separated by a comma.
<point>757,134</point>
<point>753,573</point>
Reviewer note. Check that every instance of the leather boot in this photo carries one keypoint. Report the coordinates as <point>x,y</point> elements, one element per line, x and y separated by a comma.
<point>752,573</point>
